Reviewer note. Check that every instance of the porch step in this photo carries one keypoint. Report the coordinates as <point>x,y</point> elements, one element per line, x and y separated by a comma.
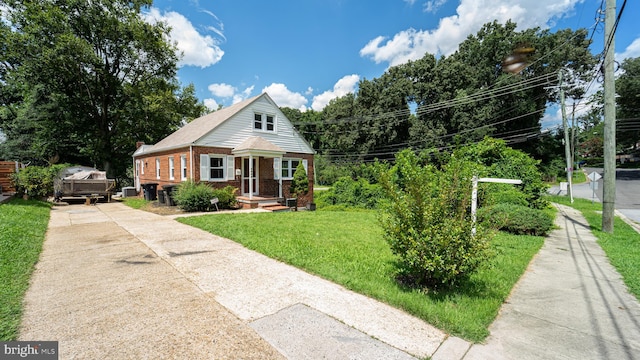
<point>274,207</point>
<point>257,201</point>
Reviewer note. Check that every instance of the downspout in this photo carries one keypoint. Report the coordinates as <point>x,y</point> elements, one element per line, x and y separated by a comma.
<point>191,162</point>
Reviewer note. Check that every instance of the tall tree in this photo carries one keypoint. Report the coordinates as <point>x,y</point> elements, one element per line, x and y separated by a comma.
<point>307,123</point>
<point>340,132</point>
<point>383,113</point>
<point>472,96</point>
<point>93,77</point>
<point>628,90</point>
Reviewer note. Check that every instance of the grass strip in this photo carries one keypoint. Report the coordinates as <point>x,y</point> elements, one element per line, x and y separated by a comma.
<point>622,247</point>
<point>136,203</point>
<point>23,224</point>
<point>348,248</point>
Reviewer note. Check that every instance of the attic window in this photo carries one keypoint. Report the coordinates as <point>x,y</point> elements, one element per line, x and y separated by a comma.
<point>257,121</point>
<point>262,122</point>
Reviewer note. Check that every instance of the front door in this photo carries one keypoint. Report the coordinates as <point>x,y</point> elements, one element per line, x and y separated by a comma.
<point>137,179</point>
<point>246,177</point>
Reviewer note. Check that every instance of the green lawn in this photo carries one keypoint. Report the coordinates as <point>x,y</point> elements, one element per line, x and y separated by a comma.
<point>136,203</point>
<point>23,225</point>
<point>348,248</point>
<point>622,247</point>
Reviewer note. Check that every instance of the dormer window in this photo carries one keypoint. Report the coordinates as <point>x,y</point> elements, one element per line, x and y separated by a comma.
<point>263,122</point>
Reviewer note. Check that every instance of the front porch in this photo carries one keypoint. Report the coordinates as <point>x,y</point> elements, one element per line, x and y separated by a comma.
<point>264,202</point>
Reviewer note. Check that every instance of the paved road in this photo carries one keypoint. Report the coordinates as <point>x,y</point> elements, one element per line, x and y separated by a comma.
<point>627,191</point>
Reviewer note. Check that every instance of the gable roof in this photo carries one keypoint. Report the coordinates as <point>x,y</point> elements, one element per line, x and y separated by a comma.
<point>142,149</point>
<point>196,129</point>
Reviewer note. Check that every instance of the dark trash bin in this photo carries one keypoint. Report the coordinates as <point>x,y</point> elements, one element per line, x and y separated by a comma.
<point>161,196</point>
<point>292,202</point>
<point>150,190</point>
<point>168,194</point>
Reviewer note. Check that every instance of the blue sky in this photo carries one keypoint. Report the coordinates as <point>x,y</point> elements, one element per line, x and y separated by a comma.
<point>306,52</point>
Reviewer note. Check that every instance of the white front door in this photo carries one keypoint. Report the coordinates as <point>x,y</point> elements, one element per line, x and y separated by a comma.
<point>250,174</point>
<point>137,177</point>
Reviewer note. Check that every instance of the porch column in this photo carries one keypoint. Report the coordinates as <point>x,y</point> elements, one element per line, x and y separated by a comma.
<point>280,180</point>
<point>250,177</point>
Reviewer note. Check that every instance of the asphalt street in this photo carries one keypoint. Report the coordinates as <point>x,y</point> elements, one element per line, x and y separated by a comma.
<point>627,191</point>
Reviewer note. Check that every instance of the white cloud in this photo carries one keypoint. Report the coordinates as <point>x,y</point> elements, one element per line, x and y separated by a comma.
<point>197,49</point>
<point>470,15</point>
<point>344,86</point>
<point>410,2</point>
<point>226,91</point>
<point>285,97</point>
<point>632,51</point>
<point>243,95</point>
<point>222,90</point>
<point>211,104</point>
<point>433,5</point>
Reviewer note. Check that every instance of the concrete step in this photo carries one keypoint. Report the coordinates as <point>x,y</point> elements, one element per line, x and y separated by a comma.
<point>275,207</point>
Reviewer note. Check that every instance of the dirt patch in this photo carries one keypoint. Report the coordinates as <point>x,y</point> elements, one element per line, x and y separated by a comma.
<point>162,209</point>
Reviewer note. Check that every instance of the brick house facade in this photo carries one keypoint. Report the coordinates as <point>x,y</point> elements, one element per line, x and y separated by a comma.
<point>225,147</point>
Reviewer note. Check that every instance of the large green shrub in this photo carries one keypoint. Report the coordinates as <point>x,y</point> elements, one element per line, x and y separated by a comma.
<point>226,197</point>
<point>351,193</point>
<point>493,194</point>
<point>191,196</point>
<point>427,222</point>
<point>36,181</point>
<point>516,219</point>
<point>554,170</point>
<point>504,162</point>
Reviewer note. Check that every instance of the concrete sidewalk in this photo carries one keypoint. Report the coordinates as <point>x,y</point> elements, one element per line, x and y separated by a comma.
<point>570,304</point>
<point>131,284</point>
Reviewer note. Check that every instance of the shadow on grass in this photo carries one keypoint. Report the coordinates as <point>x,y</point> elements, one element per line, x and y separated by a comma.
<point>18,201</point>
<point>469,287</point>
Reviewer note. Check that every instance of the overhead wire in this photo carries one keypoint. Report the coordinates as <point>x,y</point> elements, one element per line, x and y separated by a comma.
<point>484,94</point>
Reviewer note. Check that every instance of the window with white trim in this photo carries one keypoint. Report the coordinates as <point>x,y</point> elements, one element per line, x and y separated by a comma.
<point>157,168</point>
<point>183,167</point>
<point>289,167</point>
<point>271,123</point>
<point>214,167</point>
<point>257,121</point>
<point>262,122</point>
<point>172,169</point>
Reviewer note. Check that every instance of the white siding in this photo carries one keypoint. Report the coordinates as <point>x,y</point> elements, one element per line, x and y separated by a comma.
<point>238,128</point>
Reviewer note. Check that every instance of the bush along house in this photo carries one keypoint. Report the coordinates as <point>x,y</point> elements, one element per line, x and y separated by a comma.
<point>250,145</point>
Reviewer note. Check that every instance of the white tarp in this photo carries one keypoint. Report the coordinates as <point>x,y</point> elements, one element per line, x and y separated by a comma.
<point>91,174</point>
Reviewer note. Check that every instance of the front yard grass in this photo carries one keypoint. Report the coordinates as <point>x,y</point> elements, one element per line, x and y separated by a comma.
<point>622,247</point>
<point>23,224</point>
<point>348,248</point>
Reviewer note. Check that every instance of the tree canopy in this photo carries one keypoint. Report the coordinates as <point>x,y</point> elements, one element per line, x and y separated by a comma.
<point>628,101</point>
<point>460,98</point>
<point>83,81</point>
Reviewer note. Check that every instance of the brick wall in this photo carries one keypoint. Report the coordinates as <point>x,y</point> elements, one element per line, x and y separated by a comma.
<point>149,164</point>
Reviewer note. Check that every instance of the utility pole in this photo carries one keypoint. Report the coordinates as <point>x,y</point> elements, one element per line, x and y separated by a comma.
<point>609,187</point>
<point>574,139</point>
<point>567,141</point>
